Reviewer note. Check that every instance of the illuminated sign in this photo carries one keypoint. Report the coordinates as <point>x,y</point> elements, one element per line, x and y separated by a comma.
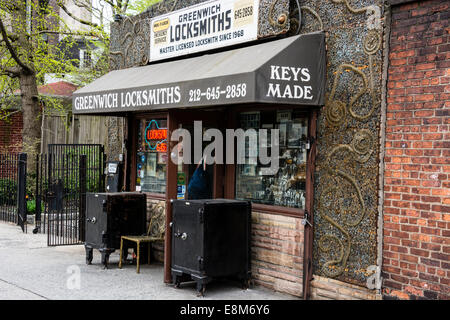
<point>156,138</point>
<point>157,134</point>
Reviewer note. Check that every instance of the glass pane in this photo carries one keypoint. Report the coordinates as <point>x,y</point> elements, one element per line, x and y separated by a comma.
<point>286,187</point>
<point>189,169</point>
<point>151,156</point>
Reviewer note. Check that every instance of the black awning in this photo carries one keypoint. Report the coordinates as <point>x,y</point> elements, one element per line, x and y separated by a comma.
<point>286,71</point>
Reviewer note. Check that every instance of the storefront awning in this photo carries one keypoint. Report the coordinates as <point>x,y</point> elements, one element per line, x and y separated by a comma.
<point>286,71</point>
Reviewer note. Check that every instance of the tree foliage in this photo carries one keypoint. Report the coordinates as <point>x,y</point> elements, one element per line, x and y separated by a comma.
<point>37,40</point>
<point>138,6</point>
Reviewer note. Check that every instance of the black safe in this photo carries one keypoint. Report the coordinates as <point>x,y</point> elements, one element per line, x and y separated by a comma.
<point>210,239</point>
<point>108,217</point>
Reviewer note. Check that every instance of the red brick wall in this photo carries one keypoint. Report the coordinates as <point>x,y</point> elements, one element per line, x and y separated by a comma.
<point>416,249</point>
<point>11,133</point>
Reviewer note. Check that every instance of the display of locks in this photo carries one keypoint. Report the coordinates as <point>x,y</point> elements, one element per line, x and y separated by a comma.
<point>287,186</point>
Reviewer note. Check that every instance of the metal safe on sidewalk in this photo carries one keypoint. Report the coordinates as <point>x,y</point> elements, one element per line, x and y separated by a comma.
<point>108,217</point>
<point>211,239</point>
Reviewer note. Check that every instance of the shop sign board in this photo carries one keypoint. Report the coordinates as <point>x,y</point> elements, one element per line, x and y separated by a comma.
<point>209,25</point>
<point>294,75</point>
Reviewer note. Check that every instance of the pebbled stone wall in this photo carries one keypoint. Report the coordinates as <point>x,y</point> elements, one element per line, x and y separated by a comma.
<point>347,163</point>
<point>130,38</point>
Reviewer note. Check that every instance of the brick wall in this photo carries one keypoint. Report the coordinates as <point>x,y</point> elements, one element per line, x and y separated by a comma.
<point>330,289</point>
<point>416,249</point>
<point>11,133</point>
<point>277,252</point>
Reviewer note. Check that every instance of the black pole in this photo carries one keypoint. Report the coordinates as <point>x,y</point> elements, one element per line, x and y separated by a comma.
<point>82,196</point>
<point>37,197</point>
<point>21,191</point>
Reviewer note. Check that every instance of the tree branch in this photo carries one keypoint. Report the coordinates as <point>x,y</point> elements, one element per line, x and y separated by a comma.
<point>12,51</point>
<point>113,6</point>
<point>87,34</point>
<point>83,4</point>
<point>82,21</point>
<point>110,3</point>
<point>10,71</point>
<point>10,37</point>
<point>125,6</point>
<point>4,117</point>
<point>87,5</point>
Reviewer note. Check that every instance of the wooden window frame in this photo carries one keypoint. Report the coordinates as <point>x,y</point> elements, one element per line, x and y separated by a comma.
<point>229,175</point>
<point>134,119</point>
<point>230,170</point>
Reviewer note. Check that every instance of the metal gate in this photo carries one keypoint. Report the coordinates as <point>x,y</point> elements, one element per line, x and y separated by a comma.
<point>64,175</point>
<point>12,189</point>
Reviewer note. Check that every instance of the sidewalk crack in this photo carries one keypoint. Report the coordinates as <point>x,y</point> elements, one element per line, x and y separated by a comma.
<point>17,286</point>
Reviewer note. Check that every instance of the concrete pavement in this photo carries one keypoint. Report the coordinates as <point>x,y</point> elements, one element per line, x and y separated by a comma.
<point>29,270</point>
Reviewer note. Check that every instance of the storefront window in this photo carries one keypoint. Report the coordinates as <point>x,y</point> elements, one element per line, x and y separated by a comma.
<point>151,156</point>
<point>287,187</point>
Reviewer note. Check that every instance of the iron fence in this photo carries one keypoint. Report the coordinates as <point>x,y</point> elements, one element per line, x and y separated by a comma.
<point>9,165</point>
<point>95,160</point>
<point>64,175</point>
<point>12,189</point>
<point>61,180</point>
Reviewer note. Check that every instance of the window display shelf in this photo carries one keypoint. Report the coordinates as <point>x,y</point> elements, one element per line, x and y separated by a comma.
<point>286,188</point>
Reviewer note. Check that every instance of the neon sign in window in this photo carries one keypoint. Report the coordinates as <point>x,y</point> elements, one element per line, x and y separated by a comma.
<point>151,156</point>
<point>155,137</point>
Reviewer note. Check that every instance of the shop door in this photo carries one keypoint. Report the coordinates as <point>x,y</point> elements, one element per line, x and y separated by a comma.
<point>214,172</point>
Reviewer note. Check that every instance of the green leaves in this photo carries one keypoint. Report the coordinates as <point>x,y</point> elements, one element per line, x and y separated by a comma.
<point>47,39</point>
<point>138,6</point>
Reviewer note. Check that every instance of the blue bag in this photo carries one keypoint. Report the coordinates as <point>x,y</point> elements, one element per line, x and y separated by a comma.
<point>199,187</point>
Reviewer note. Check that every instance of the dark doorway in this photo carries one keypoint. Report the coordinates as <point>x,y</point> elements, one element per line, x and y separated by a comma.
<point>213,119</point>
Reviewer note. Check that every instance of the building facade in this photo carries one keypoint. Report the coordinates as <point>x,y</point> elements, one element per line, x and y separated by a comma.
<point>416,189</point>
<point>358,207</point>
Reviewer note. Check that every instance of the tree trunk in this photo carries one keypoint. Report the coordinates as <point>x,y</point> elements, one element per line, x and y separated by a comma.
<point>31,134</point>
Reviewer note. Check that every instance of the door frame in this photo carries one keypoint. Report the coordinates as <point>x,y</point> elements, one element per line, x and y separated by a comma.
<point>174,119</point>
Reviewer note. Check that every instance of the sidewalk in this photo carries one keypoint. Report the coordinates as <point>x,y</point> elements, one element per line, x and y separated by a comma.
<point>29,270</point>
